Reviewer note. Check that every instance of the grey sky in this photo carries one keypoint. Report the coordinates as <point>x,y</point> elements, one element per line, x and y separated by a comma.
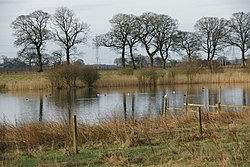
<point>97,13</point>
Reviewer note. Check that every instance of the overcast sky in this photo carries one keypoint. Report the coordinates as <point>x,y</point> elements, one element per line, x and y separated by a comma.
<point>97,13</point>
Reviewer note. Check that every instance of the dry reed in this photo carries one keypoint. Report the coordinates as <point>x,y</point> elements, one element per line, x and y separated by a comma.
<point>24,81</point>
<point>132,132</point>
<point>225,141</point>
<point>121,78</point>
<point>230,76</point>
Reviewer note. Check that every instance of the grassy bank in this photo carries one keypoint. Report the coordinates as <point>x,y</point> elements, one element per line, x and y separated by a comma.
<point>128,77</point>
<point>163,141</point>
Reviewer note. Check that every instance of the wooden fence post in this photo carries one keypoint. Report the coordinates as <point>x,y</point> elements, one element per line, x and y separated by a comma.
<point>75,136</point>
<point>219,107</point>
<point>186,102</point>
<point>219,100</point>
<point>200,122</point>
<point>165,104</point>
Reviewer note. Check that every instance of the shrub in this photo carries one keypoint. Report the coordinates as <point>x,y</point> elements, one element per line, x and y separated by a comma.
<point>66,76</point>
<point>89,76</point>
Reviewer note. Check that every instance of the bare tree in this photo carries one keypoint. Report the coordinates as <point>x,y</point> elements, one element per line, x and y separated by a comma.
<point>165,34</point>
<point>120,29</point>
<point>240,33</point>
<point>122,34</point>
<point>69,31</point>
<point>148,25</point>
<point>212,32</point>
<point>56,58</point>
<point>133,37</point>
<point>28,55</point>
<point>189,42</point>
<point>110,40</point>
<point>31,31</point>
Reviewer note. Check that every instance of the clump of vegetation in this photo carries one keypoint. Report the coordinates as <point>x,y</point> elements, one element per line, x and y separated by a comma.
<point>89,76</point>
<point>191,68</point>
<point>63,76</point>
<point>67,76</point>
<point>2,87</point>
<point>147,77</point>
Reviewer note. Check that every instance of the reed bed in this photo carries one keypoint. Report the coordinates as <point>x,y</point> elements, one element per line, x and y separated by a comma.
<point>165,140</point>
<point>230,76</point>
<point>168,78</point>
<point>117,81</point>
<point>24,81</point>
<point>126,78</point>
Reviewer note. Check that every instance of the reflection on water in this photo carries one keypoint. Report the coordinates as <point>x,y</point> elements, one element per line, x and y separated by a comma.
<point>94,105</point>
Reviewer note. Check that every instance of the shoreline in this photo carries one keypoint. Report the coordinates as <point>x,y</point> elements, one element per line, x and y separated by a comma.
<point>118,78</point>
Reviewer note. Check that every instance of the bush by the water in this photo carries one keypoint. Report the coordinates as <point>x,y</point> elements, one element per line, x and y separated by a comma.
<point>67,76</point>
<point>89,76</point>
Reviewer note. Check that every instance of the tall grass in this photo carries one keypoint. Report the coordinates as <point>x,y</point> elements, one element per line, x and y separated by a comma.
<point>173,76</point>
<point>227,76</point>
<point>129,77</point>
<point>165,140</point>
<point>24,81</point>
<point>55,135</point>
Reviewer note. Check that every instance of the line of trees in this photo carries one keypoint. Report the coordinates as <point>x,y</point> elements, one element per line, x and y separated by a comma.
<point>157,34</point>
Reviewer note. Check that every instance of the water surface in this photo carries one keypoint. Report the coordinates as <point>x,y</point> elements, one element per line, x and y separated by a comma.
<point>95,105</point>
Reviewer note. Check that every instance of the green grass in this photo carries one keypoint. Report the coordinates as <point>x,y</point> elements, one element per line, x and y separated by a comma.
<point>197,153</point>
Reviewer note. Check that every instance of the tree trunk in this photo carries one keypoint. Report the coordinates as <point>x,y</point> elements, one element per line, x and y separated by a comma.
<point>151,61</point>
<point>40,63</point>
<point>67,55</point>
<point>209,61</point>
<point>243,61</point>
<point>163,60</point>
<point>164,64</point>
<point>132,57</point>
<point>189,57</point>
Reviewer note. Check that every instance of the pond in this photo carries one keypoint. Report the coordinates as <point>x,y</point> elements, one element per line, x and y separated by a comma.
<point>95,105</point>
